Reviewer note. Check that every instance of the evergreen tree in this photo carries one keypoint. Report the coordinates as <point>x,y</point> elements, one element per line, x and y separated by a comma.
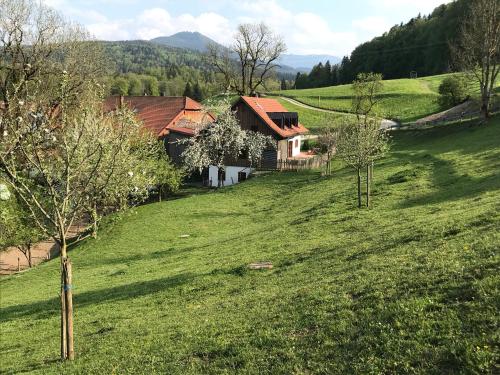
<point>197,92</point>
<point>188,91</point>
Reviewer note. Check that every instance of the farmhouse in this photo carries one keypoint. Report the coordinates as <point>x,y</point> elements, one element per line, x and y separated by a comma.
<point>269,117</point>
<point>170,118</point>
<point>175,118</point>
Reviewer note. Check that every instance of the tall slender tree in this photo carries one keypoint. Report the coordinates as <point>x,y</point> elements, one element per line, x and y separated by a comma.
<point>257,49</point>
<point>478,48</point>
<point>366,88</point>
<point>59,152</point>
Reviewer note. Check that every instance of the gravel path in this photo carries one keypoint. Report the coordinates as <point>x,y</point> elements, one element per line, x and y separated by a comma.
<point>12,260</point>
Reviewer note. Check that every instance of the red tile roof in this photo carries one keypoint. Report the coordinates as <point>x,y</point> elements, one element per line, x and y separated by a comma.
<point>158,113</point>
<point>187,131</point>
<point>261,106</point>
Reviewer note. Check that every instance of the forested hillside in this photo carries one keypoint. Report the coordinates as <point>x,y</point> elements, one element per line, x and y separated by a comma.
<point>142,67</point>
<point>146,68</point>
<point>421,46</point>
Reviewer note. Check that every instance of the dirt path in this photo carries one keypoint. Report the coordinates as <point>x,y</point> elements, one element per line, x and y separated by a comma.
<point>385,124</point>
<point>12,260</point>
<point>452,113</point>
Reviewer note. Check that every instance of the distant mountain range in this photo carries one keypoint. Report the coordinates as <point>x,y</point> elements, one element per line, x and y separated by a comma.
<point>199,42</point>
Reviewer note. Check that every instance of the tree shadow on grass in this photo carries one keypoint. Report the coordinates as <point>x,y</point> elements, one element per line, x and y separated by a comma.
<point>451,185</point>
<point>48,308</point>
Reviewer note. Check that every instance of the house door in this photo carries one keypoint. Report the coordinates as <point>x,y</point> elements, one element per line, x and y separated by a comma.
<point>242,176</point>
<point>290,149</point>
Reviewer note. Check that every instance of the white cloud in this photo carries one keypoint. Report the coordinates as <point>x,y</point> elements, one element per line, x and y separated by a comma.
<point>372,25</point>
<point>304,32</point>
<point>422,6</point>
<point>155,22</point>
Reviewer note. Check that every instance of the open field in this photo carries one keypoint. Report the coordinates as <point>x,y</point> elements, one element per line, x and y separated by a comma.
<point>410,286</point>
<point>314,120</point>
<point>404,100</point>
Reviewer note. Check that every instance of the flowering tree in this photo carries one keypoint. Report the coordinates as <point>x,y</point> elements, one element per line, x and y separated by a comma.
<point>224,141</point>
<point>60,154</point>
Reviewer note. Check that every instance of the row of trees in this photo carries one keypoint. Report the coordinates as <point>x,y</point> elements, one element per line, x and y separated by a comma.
<point>145,84</point>
<point>63,159</point>
<point>323,75</point>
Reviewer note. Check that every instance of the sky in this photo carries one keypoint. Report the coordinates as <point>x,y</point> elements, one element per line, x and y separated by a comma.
<point>333,27</point>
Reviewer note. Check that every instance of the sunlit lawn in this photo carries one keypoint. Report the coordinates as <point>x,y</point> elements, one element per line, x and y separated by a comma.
<point>410,286</point>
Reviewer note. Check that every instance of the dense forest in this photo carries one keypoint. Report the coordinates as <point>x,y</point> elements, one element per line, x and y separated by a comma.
<point>146,68</point>
<point>419,47</point>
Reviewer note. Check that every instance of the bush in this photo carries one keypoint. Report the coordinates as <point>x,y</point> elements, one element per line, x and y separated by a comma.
<point>453,91</point>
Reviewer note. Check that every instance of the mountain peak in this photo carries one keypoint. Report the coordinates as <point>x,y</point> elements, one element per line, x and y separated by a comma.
<point>192,40</point>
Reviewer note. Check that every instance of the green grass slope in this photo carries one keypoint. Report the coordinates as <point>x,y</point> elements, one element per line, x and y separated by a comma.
<point>410,286</point>
<point>315,120</point>
<point>404,100</point>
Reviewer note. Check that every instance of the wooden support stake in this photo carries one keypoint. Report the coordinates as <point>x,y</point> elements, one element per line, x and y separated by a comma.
<point>63,314</point>
<point>69,310</point>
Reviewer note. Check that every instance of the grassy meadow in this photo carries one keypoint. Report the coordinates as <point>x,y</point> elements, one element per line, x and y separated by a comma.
<point>409,286</point>
<point>404,100</point>
<point>314,120</point>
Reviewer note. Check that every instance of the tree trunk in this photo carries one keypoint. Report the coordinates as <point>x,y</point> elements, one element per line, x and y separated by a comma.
<point>359,188</point>
<point>30,262</point>
<point>94,221</point>
<point>485,104</point>
<point>368,180</point>
<point>220,182</point>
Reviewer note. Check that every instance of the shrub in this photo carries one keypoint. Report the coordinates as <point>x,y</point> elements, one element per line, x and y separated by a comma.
<point>453,91</point>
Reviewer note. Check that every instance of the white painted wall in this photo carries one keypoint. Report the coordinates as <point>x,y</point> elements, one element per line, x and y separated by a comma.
<point>296,150</point>
<point>231,174</point>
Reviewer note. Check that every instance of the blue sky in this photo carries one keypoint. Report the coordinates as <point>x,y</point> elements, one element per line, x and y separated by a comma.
<point>307,26</point>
